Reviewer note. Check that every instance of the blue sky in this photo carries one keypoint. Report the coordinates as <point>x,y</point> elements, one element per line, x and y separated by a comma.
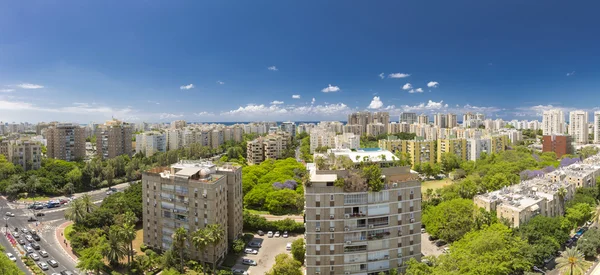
<point>89,60</point>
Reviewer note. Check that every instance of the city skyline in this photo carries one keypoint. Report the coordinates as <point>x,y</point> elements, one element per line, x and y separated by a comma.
<point>171,61</point>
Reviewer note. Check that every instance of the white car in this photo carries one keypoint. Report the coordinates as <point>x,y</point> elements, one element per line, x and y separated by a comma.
<point>11,257</point>
<point>10,214</point>
<point>277,234</point>
<point>250,251</point>
<point>288,246</point>
<point>43,253</point>
<point>239,272</point>
<point>43,266</point>
<point>16,234</point>
<point>248,262</point>
<point>270,234</point>
<point>34,256</point>
<point>285,234</point>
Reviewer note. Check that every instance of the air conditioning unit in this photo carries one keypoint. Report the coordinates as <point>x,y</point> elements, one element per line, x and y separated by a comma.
<point>371,226</point>
<point>412,220</point>
<point>395,184</point>
<point>331,217</point>
<point>347,216</point>
<point>332,229</point>
<point>174,210</point>
<point>348,242</point>
<point>318,229</point>
<point>346,229</point>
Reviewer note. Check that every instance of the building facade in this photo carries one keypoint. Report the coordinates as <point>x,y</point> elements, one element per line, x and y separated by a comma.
<point>456,146</point>
<point>149,143</point>
<point>597,127</point>
<point>350,230</point>
<point>114,139</point>
<point>578,126</point>
<point>409,118</point>
<point>553,122</point>
<point>192,195</point>
<point>25,153</point>
<point>66,141</point>
<point>559,144</point>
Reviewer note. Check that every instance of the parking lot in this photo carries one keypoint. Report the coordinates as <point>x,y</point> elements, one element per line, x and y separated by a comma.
<point>428,247</point>
<point>270,247</point>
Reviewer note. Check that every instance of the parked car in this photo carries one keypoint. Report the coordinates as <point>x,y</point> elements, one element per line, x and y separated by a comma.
<point>285,234</point>
<point>288,246</point>
<point>432,238</point>
<point>250,251</point>
<point>43,253</point>
<point>277,234</point>
<point>66,272</point>
<point>11,257</point>
<point>24,230</point>
<point>40,214</point>
<point>21,241</point>
<point>52,263</point>
<point>440,243</point>
<point>29,238</point>
<point>16,234</point>
<point>10,214</point>
<point>248,262</point>
<point>270,234</point>
<point>239,272</point>
<point>43,265</point>
<point>261,233</point>
<point>254,244</point>
<point>32,219</point>
<point>35,246</point>
<point>29,249</point>
<point>34,257</point>
<point>36,237</point>
<point>423,231</point>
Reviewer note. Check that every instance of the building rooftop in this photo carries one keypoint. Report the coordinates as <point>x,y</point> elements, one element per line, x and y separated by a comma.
<point>372,154</point>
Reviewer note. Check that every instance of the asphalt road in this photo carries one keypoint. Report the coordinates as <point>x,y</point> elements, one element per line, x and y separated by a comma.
<point>46,226</point>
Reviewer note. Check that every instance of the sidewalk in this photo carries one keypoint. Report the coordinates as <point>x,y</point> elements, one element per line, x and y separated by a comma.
<point>63,242</point>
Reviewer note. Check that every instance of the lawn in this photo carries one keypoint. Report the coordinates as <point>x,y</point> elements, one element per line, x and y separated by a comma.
<point>257,212</point>
<point>435,184</point>
<point>139,239</point>
<point>34,199</point>
<point>67,231</point>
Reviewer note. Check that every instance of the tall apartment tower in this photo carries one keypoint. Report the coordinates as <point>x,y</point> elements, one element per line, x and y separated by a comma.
<point>451,120</point>
<point>597,127</point>
<point>66,141</point>
<point>365,118</point>
<point>114,139</point>
<point>351,230</point>
<point>578,126</point>
<point>25,153</point>
<point>192,195</point>
<point>410,118</point>
<point>178,124</point>
<point>289,127</point>
<point>150,143</point>
<point>423,119</point>
<point>440,120</point>
<point>553,122</point>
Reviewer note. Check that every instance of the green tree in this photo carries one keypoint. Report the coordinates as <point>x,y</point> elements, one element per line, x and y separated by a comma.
<point>238,246</point>
<point>200,241</point>
<point>109,174</point>
<point>298,250</point>
<point>579,213</point>
<point>572,261</point>
<point>284,201</point>
<point>285,265</point>
<point>589,242</point>
<point>449,162</point>
<point>91,259</point>
<point>115,248</point>
<point>372,175</point>
<point>179,239</point>
<point>6,265</point>
<point>76,211</point>
<point>450,220</point>
<point>214,235</point>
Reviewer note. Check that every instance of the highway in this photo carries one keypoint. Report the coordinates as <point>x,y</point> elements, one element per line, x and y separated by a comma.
<point>46,227</point>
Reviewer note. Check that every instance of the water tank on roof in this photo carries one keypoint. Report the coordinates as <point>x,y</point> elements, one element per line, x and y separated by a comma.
<point>204,173</point>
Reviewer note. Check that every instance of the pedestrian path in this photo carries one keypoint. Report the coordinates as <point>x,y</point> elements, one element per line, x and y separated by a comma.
<point>64,243</point>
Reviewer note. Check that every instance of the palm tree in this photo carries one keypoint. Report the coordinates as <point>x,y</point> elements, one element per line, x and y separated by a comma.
<point>214,234</point>
<point>572,260</point>
<point>76,211</point>
<point>128,234</point>
<point>88,203</point>
<point>179,238</point>
<point>200,242</point>
<point>562,193</point>
<point>115,248</point>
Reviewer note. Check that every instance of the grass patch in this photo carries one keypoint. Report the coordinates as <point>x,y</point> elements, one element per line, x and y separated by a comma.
<point>68,231</point>
<point>258,212</point>
<point>139,240</point>
<point>34,199</point>
<point>435,184</point>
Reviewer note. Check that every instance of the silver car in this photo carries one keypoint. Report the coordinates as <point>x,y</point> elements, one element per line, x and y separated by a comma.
<point>34,257</point>
<point>43,266</point>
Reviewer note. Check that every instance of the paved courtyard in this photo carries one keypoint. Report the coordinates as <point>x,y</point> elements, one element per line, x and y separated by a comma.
<point>271,247</point>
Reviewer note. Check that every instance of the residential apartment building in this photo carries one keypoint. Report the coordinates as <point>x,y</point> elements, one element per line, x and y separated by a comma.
<point>402,127</point>
<point>440,120</point>
<point>376,129</point>
<point>408,118</point>
<point>559,144</point>
<point>289,127</point>
<point>114,139</point>
<point>419,151</point>
<point>456,146</point>
<point>351,230</point>
<point>553,122</point>
<point>149,143</point>
<point>423,119</point>
<point>66,141</point>
<point>477,146</point>
<point>272,146</point>
<point>365,118</point>
<point>597,127</point>
<point>178,124</point>
<point>451,121</point>
<point>578,126</point>
<point>22,152</point>
<point>192,195</point>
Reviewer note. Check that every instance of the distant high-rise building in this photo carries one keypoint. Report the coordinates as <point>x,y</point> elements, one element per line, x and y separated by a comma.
<point>409,118</point>
<point>178,124</point>
<point>22,152</point>
<point>66,141</point>
<point>423,119</point>
<point>149,143</point>
<point>451,120</point>
<point>440,120</point>
<point>365,118</point>
<point>289,127</point>
<point>597,127</point>
<point>553,122</point>
<point>578,126</point>
<point>114,139</point>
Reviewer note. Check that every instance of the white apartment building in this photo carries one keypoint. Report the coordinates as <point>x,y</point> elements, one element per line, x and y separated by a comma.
<point>578,126</point>
<point>150,143</point>
<point>175,139</point>
<point>322,138</point>
<point>476,146</point>
<point>376,129</point>
<point>597,127</point>
<point>553,122</point>
<point>347,141</point>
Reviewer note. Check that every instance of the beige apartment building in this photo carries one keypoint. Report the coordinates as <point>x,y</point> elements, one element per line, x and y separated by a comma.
<point>419,151</point>
<point>272,146</point>
<point>25,153</point>
<point>350,230</point>
<point>114,139</point>
<point>66,141</point>
<point>456,146</point>
<point>192,195</point>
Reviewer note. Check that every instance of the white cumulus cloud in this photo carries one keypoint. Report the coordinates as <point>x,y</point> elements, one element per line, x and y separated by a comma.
<point>169,115</point>
<point>187,87</point>
<point>273,68</point>
<point>6,90</point>
<point>382,75</point>
<point>398,75</point>
<point>433,84</point>
<point>276,102</point>
<point>417,90</point>
<point>331,89</point>
<point>220,82</point>
<point>313,101</point>
<point>375,103</point>
<point>571,73</point>
<point>29,86</point>
<point>407,86</point>
<point>296,96</point>
<point>204,114</point>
